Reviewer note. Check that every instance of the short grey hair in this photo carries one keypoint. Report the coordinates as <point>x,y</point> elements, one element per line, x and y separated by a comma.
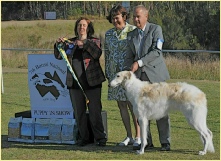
<point>142,7</point>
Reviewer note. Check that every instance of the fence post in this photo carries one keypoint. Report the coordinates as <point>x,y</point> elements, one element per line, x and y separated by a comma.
<point>2,81</point>
<point>1,73</point>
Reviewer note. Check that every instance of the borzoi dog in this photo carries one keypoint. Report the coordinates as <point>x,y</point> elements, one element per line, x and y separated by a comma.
<point>154,101</point>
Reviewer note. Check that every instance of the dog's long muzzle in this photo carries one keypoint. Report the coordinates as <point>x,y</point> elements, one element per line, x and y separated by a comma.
<point>113,84</point>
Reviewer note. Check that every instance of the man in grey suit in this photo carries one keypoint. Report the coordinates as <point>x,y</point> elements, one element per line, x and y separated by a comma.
<point>144,57</point>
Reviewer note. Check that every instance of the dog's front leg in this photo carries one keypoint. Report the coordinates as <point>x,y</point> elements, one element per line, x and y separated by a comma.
<point>143,122</point>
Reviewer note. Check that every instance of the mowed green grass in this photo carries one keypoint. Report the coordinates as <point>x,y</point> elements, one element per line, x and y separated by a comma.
<point>185,142</point>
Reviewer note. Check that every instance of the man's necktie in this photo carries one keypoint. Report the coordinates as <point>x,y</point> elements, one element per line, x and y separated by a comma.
<point>141,33</point>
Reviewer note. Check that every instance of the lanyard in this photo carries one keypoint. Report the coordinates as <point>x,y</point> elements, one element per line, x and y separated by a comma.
<point>64,56</point>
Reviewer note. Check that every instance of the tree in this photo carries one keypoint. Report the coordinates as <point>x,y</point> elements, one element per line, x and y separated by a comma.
<point>185,24</point>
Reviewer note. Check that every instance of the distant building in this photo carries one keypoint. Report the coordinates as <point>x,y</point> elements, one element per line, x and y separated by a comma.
<point>50,15</point>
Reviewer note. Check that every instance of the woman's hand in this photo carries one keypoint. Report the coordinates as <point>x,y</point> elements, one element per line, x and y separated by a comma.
<point>79,43</point>
<point>59,40</point>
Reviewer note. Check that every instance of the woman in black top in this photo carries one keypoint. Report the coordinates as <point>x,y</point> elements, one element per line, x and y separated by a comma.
<point>83,55</point>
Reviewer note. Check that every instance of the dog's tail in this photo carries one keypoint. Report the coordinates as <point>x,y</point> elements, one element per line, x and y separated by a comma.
<point>210,147</point>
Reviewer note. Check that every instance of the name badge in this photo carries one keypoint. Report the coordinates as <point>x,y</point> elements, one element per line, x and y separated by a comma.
<point>160,44</point>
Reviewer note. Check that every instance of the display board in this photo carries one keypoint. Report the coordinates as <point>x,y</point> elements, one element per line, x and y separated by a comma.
<point>49,96</point>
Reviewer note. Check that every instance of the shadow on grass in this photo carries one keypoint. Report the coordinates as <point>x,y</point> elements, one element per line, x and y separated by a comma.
<point>111,147</point>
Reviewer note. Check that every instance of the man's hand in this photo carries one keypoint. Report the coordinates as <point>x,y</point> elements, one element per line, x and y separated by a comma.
<point>134,67</point>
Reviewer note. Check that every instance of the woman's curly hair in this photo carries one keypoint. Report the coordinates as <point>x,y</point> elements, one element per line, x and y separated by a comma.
<point>116,10</point>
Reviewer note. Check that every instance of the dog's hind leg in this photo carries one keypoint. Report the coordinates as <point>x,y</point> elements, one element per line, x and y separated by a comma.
<point>206,137</point>
<point>210,147</point>
<point>143,122</point>
<point>197,118</point>
<point>208,142</point>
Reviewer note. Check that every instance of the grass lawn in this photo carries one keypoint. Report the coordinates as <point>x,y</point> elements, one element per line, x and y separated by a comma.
<point>185,142</point>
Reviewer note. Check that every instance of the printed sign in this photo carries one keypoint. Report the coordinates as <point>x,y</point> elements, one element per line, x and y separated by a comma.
<point>49,95</point>
<point>50,15</point>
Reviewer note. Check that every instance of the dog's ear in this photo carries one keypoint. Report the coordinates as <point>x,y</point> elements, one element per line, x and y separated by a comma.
<point>128,75</point>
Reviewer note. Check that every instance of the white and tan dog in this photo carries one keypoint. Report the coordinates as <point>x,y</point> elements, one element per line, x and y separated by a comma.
<point>154,101</point>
